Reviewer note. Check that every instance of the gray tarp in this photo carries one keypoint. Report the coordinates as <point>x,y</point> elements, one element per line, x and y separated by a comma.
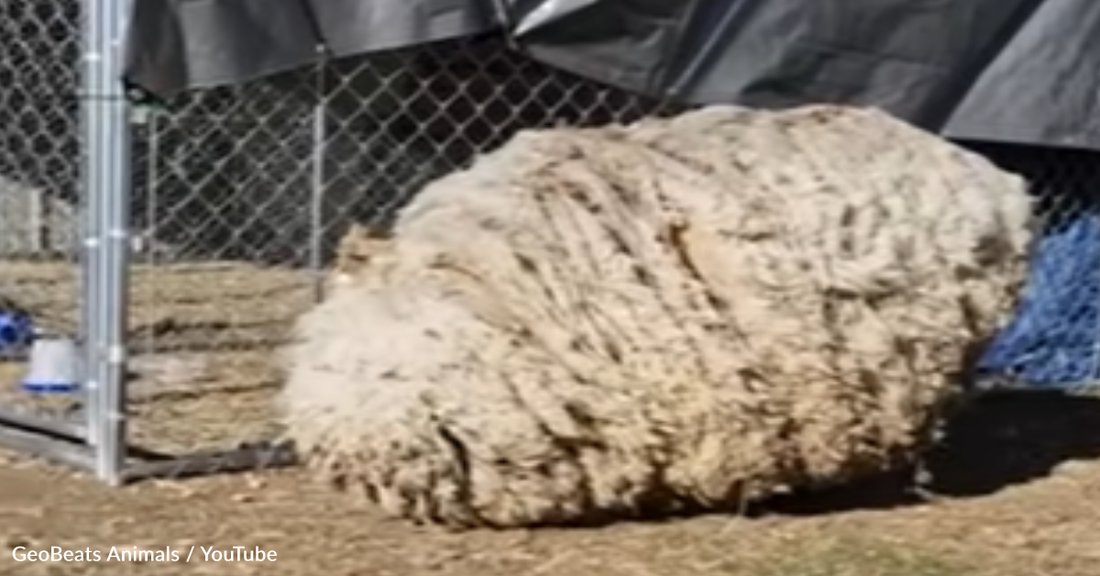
<point>1023,71</point>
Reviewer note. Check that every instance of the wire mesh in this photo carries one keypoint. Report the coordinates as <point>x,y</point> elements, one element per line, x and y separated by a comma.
<point>1053,343</point>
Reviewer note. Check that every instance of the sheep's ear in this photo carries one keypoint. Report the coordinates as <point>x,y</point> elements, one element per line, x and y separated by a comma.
<point>355,236</point>
<point>359,249</point>
<point>357,230</point>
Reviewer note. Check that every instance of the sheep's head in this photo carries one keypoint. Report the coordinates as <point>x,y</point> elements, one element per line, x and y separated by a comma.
<point>360,247</point>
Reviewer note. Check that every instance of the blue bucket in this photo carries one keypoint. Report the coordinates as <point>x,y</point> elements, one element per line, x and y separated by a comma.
<point>16,333</point>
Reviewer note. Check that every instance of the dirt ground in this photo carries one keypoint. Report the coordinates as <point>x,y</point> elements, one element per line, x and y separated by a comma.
<point>1020,488</point>
<point>1018,478</point>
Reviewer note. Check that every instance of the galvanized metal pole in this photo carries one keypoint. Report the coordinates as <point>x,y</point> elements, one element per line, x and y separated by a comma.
<point>89,235</point>
<point>107,174</point>
<point>317,175</point>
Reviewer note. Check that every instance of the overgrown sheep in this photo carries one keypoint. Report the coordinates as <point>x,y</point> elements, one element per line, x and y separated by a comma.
<point>695,312</point>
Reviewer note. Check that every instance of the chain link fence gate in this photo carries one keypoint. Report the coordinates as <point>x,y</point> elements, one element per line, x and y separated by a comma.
<point>239,195</point>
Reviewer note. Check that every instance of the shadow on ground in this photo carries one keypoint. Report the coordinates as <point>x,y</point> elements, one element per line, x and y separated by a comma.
<point>994,443</point>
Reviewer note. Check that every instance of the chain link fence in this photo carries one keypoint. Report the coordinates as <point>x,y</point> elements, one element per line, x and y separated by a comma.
<point>1053,343</point>
<point>39,117</point>
<point>241,193</point>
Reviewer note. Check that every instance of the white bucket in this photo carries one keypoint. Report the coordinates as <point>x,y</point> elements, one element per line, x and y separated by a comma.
<point>53,367</point>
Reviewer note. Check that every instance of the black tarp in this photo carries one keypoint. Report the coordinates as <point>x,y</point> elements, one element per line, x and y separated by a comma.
<point>994,73</point>
<point>1025,71</point>
<point>180,44</point>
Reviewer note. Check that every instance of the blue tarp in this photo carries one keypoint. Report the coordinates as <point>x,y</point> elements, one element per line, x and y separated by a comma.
<point>1054,340</point>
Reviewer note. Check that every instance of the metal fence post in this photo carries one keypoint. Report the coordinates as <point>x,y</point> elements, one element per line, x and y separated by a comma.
<point>317,180</point>
<point>106,186</point>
